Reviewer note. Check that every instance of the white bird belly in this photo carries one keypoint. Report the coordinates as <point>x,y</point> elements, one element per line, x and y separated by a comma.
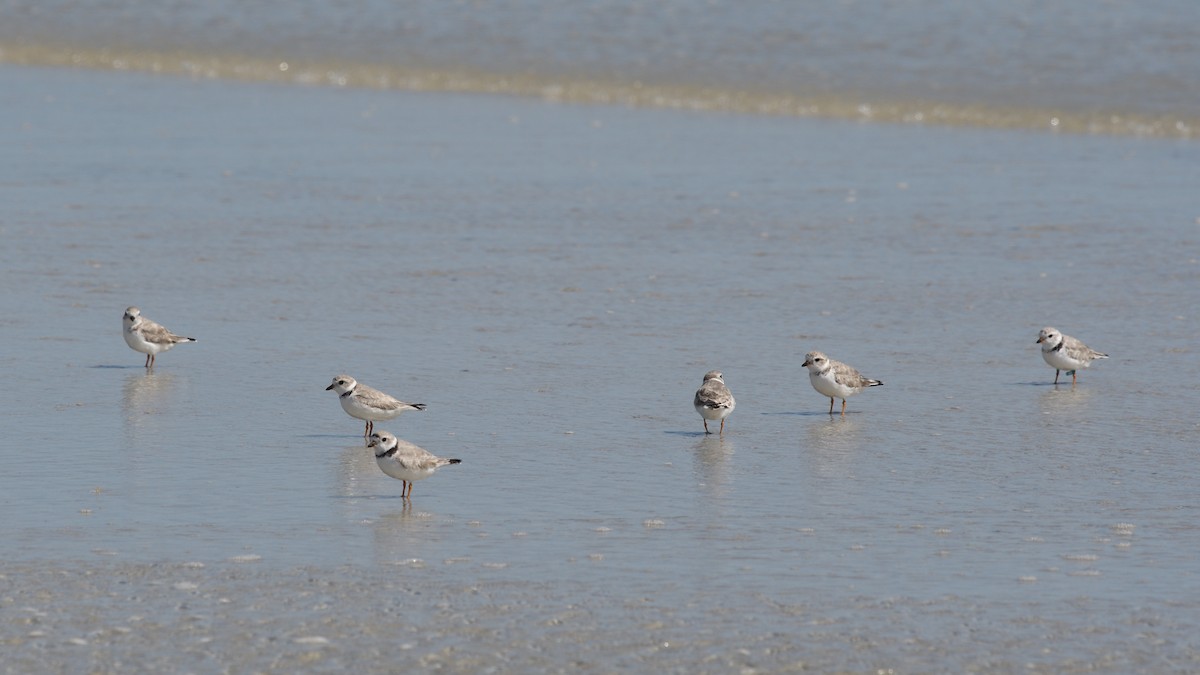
<point>830,388</point>
<point>397,471</point>
<point>138,344</point>
<point>356,408</point>
<point>1062,361</point>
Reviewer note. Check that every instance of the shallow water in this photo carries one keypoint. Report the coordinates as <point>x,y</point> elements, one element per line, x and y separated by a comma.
<point>553,281</point>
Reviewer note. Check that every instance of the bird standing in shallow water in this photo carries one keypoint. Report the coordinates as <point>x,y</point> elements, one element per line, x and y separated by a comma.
<point>835,379</point>
<point>713,400</point>
<point>365,403</point>
<point>1064,352</point>
<point>404,461</point>
<point>145,336</point>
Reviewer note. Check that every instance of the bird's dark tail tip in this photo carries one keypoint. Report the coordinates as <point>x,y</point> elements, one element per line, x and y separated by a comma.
<point>875,383</point>
<point>418,406</point>
<point>456,461</point>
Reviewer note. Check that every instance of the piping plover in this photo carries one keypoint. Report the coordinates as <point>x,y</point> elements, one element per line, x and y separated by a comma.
<point>1064,352</point>
<point>713,400</point>
<point>365,403</point>
<point>404,461</point>
<point>145,336</point>
<point>835,379</point>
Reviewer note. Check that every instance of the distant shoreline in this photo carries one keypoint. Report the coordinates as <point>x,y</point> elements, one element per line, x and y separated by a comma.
<point>598,91</point>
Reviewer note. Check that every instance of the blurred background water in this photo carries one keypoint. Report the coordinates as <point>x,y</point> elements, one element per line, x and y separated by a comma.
<point>1077,65</point>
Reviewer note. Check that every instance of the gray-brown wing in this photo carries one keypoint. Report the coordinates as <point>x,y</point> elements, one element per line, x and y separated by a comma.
<point>416,458</point>
<point>382,401</point>
<point>1079,351</point>
<point>156,334</point>
<point>713,395</point>
<point>847,376</point>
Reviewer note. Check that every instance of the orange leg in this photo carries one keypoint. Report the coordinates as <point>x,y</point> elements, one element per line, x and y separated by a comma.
<point>843,407</point>
<point>722,425</point>
<point>1072,378</point>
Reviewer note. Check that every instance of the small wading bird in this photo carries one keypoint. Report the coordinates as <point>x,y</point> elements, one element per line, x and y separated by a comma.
<point>713,400</point>
<point>404,461</point>
<point>1064,352</point>
<point>835,379</point>
<point>365,403</point>
<point>145,336</point>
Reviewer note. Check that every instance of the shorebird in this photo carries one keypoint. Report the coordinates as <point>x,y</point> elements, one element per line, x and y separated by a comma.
<point>145,336</point>
<point>713,400</point>
<point>404,461</point>
<point>835,379</point>
<point>1064,352</point>
<point>365,403</point>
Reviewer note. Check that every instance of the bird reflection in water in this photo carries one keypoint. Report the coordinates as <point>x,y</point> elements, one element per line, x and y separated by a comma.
<point>712,463</point>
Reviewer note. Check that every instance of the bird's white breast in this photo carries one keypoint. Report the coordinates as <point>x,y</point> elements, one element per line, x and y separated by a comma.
<point>1062,360</point>
<point>355,407</point>
<point>825,384</point>
<point>396,470</point>
<point>136,342</point>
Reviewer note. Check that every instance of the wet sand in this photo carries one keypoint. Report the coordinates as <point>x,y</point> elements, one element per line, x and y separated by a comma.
<point>191,617</point>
